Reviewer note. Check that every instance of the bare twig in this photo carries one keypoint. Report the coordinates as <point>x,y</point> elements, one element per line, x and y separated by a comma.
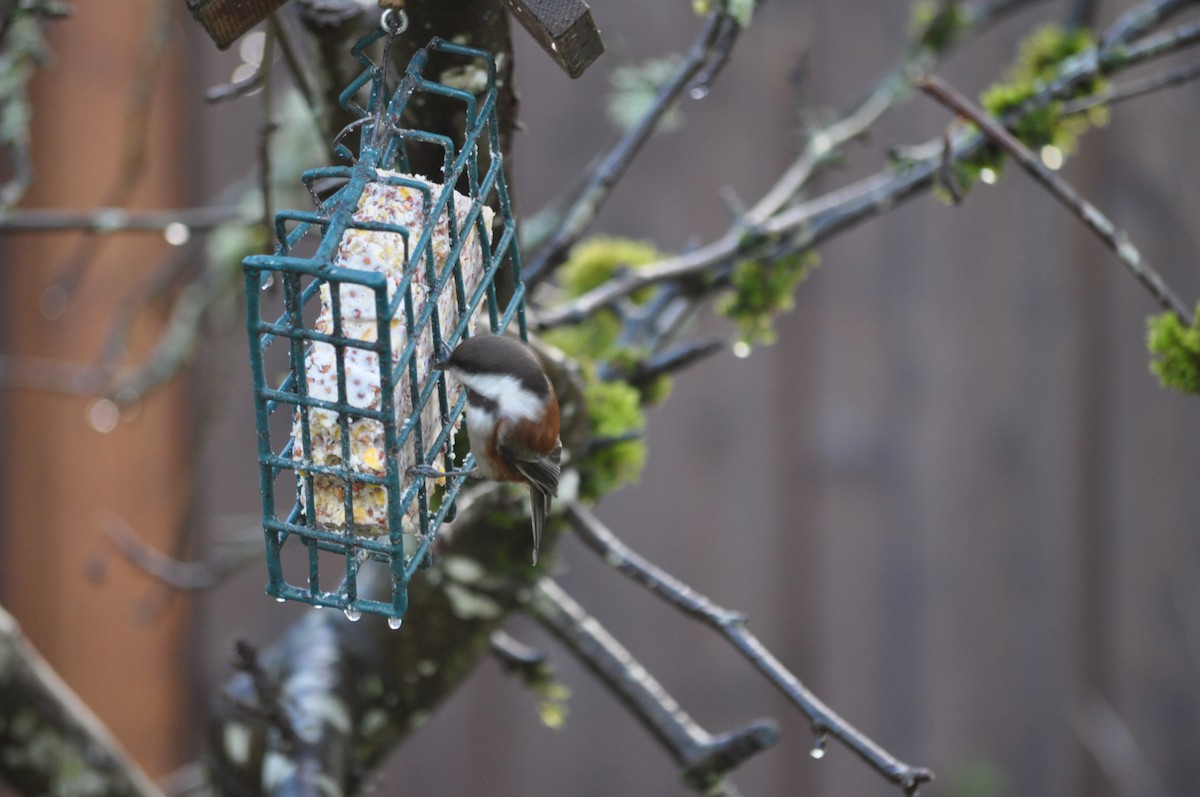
<point>152,284</point>
<point>515,656</point>
<point>147,68</point>
<point>111,219</point>
<point>265,182</point>
<point>657,324</point>
<point>746,233</point>
<point>201,575</point>
<point>705,758</point>
<point>53,375</point>
<point>1107,738</point>
<point>732,626</point>
<point>178,340</point>
<point>823,144</point>
<point>174,347</point>
<point>267,692</point>
<point>1141,19</point>
<point>295,64</point>
<point>296,708</point>
<point>238,88</point>
<point>1112,94</point>
<point>710,46</point>
<point>600,443</point>
<point>664,363</point>
<point>804,225</point>
<point>1151,47</point>
<point>1116,240</point>
<point>947,177</point>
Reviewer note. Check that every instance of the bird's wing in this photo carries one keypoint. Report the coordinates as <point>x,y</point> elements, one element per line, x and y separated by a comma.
<point>542,471</point>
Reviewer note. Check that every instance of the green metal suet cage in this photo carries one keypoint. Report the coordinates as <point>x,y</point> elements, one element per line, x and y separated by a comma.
<point>341,348</point>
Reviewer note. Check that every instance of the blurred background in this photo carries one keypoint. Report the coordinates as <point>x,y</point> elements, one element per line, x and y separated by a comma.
<point>951,498</point>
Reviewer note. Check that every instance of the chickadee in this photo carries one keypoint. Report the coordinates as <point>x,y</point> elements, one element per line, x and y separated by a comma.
<point>512,418</point>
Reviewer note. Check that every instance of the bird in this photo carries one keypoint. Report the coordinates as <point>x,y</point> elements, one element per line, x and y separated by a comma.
<point>512,418</point>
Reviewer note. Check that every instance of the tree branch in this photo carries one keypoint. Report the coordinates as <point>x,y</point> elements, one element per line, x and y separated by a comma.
<point>823,144</point>
<point>295,63</point>
<point>176,574</point>
<point>1141,19</point>
<point>1115,58</point>
<point>1112,94</point>
<point>805,225</point>
<point>265,131</point>
<point>195,302</point>
<point>112,219</point>
<point>1116,240</point>
<point>645,371</point>
<point>354,690</point>
<point>178,340</point>
<point>516,656</point>
<point>705,759</point>
<point>133,141</point>
<point>711,46</point>
<point>50,741</point>
<point>732,626</point>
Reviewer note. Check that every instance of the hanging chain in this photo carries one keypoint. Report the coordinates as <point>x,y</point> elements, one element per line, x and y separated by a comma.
<point>394,21</point>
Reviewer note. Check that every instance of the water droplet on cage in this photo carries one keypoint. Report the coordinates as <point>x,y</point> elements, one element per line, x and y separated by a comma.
<point>280,600</point>
<point>352,614</point>
<point>268,280</point>
<point>698,92</point>
<point>820,745</point>
<point>103,415</point>
<point>395,622</point>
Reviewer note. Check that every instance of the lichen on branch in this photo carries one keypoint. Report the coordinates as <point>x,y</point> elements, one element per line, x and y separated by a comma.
<point>762,289</point>
<point>1175,349</point>
<point>1040,60</point>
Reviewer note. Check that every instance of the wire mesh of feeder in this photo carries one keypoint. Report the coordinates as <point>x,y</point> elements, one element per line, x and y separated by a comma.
<point>346,318</point>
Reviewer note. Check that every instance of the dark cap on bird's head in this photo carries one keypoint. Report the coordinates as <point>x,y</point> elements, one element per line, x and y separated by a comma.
<point>498,355</point>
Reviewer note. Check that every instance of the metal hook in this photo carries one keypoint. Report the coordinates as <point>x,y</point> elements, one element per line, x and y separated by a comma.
<point>394,21</point>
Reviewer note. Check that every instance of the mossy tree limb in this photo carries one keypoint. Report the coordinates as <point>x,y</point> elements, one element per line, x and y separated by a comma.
<point>50,741</point>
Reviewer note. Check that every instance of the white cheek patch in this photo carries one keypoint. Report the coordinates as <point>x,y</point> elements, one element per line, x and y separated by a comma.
<point>514,401</point>
<point>479,423</point>
<point>480,416</point>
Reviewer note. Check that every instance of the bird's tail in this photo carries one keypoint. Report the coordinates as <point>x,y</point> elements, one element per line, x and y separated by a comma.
<point>540,507</point>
